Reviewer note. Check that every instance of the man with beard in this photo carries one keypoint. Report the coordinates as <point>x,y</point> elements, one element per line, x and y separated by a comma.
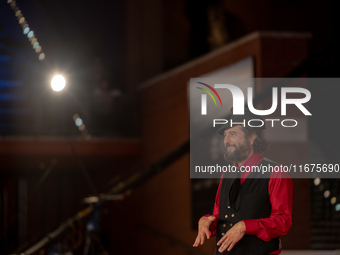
<point>252,210</point>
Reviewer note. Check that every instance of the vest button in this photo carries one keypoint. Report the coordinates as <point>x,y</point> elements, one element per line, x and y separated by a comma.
<point>226,216</point>
<point>232,215</point>
<point>224,225</point>
<point>222,234</point>
<point>231,224</point>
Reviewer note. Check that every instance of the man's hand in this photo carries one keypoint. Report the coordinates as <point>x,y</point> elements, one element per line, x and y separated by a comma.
<point>232,236</point>
<point>203,230</point>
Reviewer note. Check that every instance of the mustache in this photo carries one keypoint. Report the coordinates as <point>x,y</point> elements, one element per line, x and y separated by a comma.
<point>229,145</point>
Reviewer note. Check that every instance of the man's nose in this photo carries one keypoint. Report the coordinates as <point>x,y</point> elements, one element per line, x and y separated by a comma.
<point>226,140</point>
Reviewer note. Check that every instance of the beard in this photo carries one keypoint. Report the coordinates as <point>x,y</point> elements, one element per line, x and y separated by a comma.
<point>239,154</point>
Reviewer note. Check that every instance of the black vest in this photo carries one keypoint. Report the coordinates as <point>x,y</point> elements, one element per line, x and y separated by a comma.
<point>254,204</point>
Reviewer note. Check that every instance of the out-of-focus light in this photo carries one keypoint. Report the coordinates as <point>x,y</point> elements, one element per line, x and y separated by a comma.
<point>26,30</point>
<point>58,83</point>
<point>21,20</point>
<point>38,49</point>
<point>79,122</point>
<point>91,200</point>
<point>42,57</point>
<point>17,13</point>
<point>36,45</point>
<point>321,187</point>
<point>30,34</point>
<point>13,4</point>
<point>75,116</point>
<point>317,181</point>
<point>82,127</point>
<point>337,207</point>
<point>34,40</point>
<point>88,137</point>
<point>327,193</point>
<point>333,200</point>
<point>9,1</point>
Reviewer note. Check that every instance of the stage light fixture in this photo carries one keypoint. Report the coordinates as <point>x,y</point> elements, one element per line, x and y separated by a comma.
<point>58,83</point>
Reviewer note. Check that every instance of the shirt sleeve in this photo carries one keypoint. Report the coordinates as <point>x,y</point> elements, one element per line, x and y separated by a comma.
<point>213,225</point>
<point>279,222</point>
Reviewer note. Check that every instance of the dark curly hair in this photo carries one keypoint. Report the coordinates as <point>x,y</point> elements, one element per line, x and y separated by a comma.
<point>260,144</point>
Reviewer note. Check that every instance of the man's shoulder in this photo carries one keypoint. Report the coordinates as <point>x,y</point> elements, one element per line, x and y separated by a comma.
<point>269,162</point>
<point>277,172</point>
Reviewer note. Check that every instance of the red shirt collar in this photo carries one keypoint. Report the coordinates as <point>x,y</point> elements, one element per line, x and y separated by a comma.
<point>253,160</point>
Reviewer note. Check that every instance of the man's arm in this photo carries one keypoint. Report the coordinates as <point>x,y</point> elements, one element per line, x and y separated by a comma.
<point>208,220</point>
<point>280,220</point>
<point>213,226</point>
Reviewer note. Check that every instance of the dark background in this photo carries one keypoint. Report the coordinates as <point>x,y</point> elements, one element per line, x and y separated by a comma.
<point>128,43</point>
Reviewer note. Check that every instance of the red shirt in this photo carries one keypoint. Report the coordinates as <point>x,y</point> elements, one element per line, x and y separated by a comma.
<point>280,188</point>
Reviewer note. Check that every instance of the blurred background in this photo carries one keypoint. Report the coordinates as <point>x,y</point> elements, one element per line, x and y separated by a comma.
<point>102,166</point>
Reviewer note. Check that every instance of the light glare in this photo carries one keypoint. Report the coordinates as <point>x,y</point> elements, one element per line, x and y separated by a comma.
<point>58,83</point>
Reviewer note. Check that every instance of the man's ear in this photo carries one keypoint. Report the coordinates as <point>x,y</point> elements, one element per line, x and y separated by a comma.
<point>252,138</point>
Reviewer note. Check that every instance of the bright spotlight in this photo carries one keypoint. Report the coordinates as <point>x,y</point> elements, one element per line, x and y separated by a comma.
<point>58,83</point>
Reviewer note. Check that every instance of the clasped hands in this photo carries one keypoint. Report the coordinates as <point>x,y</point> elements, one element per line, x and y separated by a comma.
<point>228,241</point>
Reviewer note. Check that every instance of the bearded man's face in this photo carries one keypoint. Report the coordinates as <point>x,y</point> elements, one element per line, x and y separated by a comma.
<point>237,147</point>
